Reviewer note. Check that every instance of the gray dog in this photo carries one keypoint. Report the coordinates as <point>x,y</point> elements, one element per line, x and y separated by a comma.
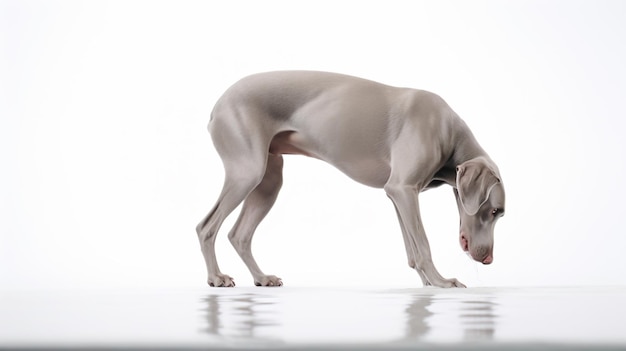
<point>402,140</point>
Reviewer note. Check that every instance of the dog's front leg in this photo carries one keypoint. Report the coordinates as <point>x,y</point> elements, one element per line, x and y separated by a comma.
<point>409,250</point>
<point>405,199</point>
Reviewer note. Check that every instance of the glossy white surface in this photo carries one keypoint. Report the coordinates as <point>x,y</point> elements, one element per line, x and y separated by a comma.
<point>316,317</point>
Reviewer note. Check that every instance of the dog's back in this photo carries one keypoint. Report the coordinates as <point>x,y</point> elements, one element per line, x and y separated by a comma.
<point>280,94</point>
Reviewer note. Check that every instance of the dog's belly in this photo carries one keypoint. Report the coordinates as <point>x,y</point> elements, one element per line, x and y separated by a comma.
<point>369,172</point>
<point>364,167</point>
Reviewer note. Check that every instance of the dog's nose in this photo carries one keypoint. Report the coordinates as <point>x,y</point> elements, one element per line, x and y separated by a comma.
<point>488,259</point>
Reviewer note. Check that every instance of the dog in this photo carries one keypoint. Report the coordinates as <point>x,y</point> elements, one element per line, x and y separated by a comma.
<point>401,140</point>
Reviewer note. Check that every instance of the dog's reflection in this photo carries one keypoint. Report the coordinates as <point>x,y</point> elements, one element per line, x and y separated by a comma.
<point>417,315</point>
<point>475,315</point>
<point>478,318</point>
<point>428,315</point>
<point>240,316</point>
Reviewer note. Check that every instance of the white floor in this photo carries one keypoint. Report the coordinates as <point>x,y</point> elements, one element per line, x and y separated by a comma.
<point>318,318</point>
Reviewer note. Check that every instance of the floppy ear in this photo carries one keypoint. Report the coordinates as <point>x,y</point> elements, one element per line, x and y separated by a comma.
<point>474,181</point>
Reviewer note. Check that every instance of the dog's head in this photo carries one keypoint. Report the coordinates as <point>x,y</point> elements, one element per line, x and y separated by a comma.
<point>480,198</point>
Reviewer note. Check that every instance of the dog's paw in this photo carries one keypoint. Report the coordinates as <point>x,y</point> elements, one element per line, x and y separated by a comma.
<point>453,283</point>
<point>268,280</point>
<point>449,283</point>
<point>222,280</point>
<point>457,284</point>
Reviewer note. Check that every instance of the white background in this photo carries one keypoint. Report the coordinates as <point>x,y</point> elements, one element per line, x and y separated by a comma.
<point>106,165</point>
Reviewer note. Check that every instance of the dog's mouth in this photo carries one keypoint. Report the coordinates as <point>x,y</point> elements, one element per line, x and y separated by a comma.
<point>485,258</point>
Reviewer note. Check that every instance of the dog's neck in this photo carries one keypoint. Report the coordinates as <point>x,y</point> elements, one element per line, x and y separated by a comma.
<point>466,148</point>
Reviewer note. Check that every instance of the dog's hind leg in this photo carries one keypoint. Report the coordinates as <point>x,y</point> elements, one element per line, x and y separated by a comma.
<point>244,165</point>
<point>255,208</point>
<point>235,190</point>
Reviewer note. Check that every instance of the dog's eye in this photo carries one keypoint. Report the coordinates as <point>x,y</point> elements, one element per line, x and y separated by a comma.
<point>497,212</point>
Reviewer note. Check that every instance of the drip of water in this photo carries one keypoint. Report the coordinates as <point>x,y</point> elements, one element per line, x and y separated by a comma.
<point>477,272</point>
